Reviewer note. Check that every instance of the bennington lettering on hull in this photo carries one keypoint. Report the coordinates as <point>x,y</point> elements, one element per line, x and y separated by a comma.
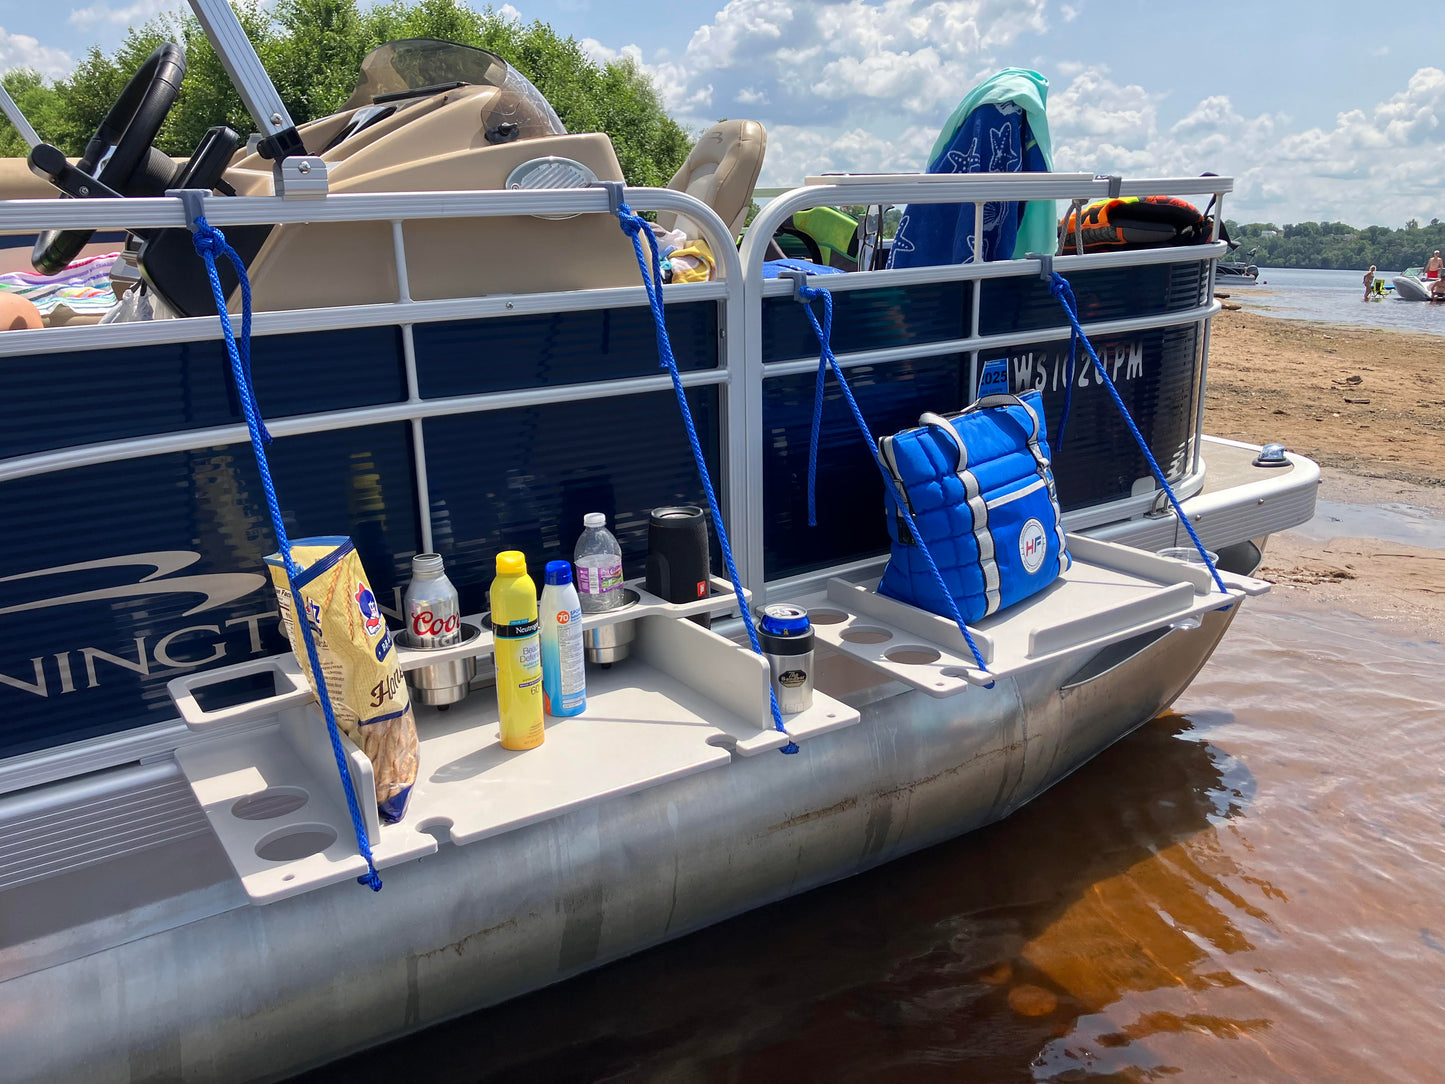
<point>1047,370</point>
<point>179,649</point>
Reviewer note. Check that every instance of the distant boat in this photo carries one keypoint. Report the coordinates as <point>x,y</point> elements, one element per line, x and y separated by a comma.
<point>1412,285</point>
<point>1235,274</point>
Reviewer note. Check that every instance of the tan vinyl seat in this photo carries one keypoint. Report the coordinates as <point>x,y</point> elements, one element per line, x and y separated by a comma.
<point>721,171</point>
<point>317,264</point>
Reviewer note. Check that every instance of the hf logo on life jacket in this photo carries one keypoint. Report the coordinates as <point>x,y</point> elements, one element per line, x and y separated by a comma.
<point>1033,544</point>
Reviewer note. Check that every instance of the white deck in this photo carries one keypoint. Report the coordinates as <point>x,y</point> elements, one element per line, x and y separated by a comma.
<point>688,700</point>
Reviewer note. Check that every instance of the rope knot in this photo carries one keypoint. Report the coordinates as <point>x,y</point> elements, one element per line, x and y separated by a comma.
<point>632,223</point>
<point>208,239</point>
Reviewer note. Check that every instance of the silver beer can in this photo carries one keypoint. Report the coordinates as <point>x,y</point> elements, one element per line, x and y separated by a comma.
<point>432,609</point>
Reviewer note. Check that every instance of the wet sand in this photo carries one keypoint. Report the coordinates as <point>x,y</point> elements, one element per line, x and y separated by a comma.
<point>1369,407</point>
<point>1343,566</point>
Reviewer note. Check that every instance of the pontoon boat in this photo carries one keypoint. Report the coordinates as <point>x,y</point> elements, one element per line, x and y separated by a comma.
<point>454,353</point>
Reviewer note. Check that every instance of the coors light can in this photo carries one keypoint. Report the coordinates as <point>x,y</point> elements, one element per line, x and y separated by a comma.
<point>433,611</point>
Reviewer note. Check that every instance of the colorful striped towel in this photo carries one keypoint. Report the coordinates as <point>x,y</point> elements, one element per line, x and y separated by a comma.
<point>83,287</point>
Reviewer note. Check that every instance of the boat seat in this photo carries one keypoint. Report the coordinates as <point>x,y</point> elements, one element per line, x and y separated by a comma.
<point>721,171</point>
<point>320,264</point>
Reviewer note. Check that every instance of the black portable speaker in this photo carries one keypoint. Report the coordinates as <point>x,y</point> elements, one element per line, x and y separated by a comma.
<point>677,555</point>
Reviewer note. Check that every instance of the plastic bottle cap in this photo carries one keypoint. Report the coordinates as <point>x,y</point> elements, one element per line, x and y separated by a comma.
<point>511,563</point>
<point>595,519</point>
<point>426,564</point>
<point>559,573</point>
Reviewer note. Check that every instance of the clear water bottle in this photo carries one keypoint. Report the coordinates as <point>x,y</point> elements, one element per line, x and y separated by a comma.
<point>598,558</point>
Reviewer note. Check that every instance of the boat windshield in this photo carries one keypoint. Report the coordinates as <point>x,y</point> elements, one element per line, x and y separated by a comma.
<point>416,64</point>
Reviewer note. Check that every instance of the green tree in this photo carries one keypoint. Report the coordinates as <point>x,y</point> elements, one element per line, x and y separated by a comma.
<point>40,103</point>
<point>313,51</point>
<point>1340,245</point>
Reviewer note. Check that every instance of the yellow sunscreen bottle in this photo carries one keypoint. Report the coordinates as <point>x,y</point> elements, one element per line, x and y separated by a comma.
<point>518,648</point>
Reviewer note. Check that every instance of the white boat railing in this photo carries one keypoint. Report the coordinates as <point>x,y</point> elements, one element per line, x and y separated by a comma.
<point>738,376</point>
<point>739,291</point>
<point>978,189</point>
<point>28,216</point>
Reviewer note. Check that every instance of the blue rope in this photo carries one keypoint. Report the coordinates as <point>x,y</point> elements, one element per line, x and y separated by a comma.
<point>1060,288</point>
<point>636,228</point>
<point>1068,393</point>
<point>209,241</point>
<point>806,295</point>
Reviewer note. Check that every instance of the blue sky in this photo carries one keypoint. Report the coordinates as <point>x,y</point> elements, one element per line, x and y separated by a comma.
<point>1329,110</point>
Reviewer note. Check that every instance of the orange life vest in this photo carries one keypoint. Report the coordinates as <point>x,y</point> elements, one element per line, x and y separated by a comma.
<point>1134,222</point>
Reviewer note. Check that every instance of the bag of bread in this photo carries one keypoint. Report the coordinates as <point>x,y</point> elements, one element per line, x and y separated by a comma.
<point>358,660</point>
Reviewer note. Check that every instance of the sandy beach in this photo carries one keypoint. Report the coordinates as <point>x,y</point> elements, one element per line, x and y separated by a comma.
<point>1363,400</point>
<point>1367,405</point>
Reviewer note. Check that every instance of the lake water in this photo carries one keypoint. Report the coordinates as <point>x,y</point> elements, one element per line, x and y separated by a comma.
<point>1334,297</point>
<point>1252,887</point>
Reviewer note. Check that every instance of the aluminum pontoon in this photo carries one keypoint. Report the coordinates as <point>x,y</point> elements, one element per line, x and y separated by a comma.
<point>177,871</point>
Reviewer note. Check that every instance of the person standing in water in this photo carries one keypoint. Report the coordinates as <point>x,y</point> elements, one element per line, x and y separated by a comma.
<point>1432,268</point>
<point>1369,281</point>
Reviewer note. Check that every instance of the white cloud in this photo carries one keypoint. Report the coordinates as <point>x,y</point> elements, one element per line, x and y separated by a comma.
<point>864,85</point>
<point>826,61</point>
<point>1378,162</point>
<point>102,13</point>
<point>1100,109</point>
<point>23,51</point>
<point>836,83</point>
<point>795,152</point>
<point>604,55</point>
